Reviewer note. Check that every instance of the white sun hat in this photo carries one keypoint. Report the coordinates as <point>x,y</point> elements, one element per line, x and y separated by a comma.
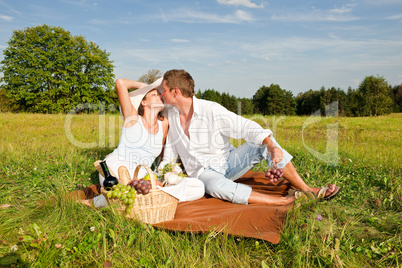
<point>137,95</point>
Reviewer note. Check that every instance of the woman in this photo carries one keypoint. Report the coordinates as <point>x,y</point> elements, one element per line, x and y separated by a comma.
<point>143,135</point>
<point>144,130</point>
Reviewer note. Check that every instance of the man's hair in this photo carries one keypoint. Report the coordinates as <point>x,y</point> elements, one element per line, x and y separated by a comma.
<point>180,79</point>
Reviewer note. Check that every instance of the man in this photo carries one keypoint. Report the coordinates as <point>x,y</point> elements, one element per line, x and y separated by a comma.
<point>199,132</point>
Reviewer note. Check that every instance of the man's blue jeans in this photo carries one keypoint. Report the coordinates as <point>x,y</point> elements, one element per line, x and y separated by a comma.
<point>220,183</point>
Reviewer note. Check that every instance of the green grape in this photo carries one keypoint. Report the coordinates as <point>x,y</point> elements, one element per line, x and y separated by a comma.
<point>109,194</point>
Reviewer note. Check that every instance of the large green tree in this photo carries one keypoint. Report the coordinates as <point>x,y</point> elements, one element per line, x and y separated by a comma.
<point>375,96</point>
<point>48,70</point>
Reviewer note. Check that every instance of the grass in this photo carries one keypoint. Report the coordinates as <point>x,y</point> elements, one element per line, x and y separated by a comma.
<point>43,157</point>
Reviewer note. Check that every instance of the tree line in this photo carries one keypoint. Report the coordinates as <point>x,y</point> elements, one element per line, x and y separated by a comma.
<point>48,70</point>
<point>373,97</point>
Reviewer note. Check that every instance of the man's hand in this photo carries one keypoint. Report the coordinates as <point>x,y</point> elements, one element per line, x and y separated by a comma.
<point>276,155</point>
<point>275,152</point>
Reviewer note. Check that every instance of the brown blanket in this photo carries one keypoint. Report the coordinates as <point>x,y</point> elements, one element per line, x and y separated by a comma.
<point>205,214</point>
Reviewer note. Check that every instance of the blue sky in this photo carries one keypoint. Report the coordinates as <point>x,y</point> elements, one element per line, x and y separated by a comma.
<point>233,46</point>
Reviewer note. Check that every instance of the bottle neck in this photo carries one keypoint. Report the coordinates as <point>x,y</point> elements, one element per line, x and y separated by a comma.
<point>105,169</point>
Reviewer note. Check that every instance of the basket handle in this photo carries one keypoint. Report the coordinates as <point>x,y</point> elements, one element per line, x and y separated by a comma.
<point>151,175</point>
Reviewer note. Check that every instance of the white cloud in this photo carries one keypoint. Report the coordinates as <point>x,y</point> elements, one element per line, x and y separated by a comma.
<point>246,3</point>
<point>6,18</point>
<point>395,17</point>
<point>266,57</point>
<point>190,16</point>
<point>343,13</point>
<point>175,40</point>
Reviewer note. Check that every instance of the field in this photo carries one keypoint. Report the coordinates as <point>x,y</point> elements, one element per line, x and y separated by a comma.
<point>43,157</point>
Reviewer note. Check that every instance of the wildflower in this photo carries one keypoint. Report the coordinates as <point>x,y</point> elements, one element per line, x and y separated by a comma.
<point>14,248</point>
<point>58,245</point>
<point>92,229</point>
<point>319,217</point>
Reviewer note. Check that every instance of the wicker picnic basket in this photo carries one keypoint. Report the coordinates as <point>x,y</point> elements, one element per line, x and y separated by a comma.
<point>154,207</point>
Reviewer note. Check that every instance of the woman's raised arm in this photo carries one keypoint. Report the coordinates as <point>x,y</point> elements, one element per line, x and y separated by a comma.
<point>122,87</point>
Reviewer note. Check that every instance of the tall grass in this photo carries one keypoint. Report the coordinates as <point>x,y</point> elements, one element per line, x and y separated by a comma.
<point>41,161</point>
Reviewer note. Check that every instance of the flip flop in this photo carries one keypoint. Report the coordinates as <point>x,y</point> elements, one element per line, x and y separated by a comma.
<point>298,194</point>
<point>321,193</point>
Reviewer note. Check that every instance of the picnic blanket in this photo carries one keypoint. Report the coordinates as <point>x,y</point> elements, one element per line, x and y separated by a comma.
<point>208,213</point>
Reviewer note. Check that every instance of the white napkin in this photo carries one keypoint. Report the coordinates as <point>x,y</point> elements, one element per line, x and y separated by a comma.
<point>178,190</point>
<point>188,189</point>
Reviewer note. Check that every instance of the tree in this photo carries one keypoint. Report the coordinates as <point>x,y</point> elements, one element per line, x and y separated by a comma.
<point>48,70</point>
<point>290,103</point>
<point>150,76</point>
<point>211,95</point>
<point>396,92</point>
<point>247,106</point>
<point>376,98</point>
<point>274,101</point>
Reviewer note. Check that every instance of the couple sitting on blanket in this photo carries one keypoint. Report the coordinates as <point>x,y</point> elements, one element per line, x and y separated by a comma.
<point>198,131</point>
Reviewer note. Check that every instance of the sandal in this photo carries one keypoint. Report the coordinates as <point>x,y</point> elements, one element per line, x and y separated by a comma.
<point>321,193</point>
<point>298,194</point>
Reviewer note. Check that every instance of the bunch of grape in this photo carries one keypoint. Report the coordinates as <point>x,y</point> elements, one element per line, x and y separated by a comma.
<point>142,186</point>
<point>274,174</point>
<point>125,193</point>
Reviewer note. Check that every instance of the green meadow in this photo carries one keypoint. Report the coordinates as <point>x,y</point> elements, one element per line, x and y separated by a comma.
<point>44,157</point>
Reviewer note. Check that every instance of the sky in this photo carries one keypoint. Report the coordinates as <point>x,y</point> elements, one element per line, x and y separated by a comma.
<point>233,46</point>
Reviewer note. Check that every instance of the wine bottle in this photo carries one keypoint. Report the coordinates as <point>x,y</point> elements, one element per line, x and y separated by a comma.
<point>110,180</point>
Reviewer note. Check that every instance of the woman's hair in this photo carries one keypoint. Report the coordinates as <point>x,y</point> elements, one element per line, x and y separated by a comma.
<point>180,79</point>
